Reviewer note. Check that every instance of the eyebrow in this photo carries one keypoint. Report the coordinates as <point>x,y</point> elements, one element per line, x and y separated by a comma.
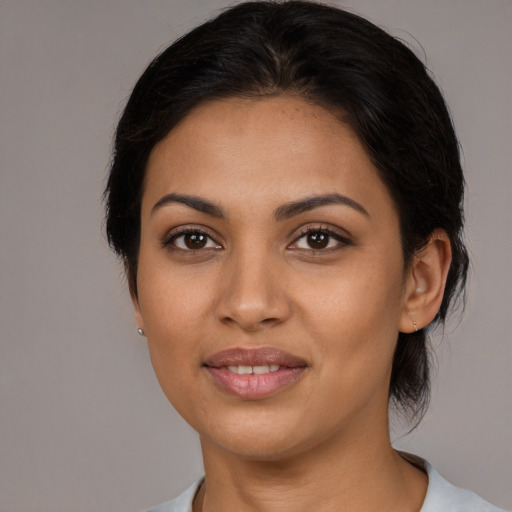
<point>197,203</point>
<point>284,212</point>
<point>309,203</point>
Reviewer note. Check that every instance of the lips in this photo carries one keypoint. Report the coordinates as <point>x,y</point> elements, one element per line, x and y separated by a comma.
<point>253,374</point>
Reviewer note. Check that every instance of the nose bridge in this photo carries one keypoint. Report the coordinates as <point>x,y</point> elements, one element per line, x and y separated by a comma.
<point>254,294</point>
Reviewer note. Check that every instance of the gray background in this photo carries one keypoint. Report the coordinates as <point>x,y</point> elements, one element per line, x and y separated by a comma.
<point>83,424</point>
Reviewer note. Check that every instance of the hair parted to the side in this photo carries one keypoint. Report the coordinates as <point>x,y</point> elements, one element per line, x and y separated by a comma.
<point>337,60</point>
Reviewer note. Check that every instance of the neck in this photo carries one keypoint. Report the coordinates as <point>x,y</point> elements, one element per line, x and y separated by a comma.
<point>350,473</point>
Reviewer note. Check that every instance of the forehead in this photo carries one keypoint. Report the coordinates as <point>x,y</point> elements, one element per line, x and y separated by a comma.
<point>271,149</point>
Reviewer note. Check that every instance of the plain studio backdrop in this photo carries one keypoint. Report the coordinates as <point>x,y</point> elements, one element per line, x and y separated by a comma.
<point>83,423</point>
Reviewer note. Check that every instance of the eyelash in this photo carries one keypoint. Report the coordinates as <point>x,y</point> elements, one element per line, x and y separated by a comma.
<point>342,241</point>
<point>169,241</point>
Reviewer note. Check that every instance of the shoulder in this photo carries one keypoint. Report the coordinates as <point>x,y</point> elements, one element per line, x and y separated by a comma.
<point>445,497</point>
<point>183,503</point>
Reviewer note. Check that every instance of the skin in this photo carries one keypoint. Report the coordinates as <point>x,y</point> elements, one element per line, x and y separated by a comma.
<point>321,443</point>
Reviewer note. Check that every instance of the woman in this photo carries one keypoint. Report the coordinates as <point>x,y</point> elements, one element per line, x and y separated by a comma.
<point>286,195</point>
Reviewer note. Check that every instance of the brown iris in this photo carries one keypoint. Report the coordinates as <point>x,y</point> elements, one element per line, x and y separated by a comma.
<point>195,240</point>
<point>318,240</point>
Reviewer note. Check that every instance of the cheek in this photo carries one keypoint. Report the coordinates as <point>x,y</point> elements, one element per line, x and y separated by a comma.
<point>363,295</point>
<point>171,298</point>
<point>353,316</point>
<point>173,307</point>
<point>355,333</point>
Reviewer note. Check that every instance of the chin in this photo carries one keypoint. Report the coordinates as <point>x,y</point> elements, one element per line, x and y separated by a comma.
<point>253,434</point>
<point>266,436</point>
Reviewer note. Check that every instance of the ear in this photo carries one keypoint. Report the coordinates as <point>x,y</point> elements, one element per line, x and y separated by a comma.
<point>134,297</point>
<point>136,308</point>
<point>425,282</point>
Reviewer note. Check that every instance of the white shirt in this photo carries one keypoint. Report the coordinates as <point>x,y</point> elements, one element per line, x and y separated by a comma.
<point>441,497</point>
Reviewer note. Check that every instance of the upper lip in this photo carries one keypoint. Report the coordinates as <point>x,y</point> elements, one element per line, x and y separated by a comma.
<point>254,357</point>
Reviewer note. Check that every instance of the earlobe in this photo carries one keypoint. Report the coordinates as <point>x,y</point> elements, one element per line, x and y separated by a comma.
<point>135,302</point>
<point>425,282</point>
<point>138,314</point>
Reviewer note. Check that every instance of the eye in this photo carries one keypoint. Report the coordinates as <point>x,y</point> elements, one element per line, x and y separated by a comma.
<point>191,240</point>
<point>319,239</point>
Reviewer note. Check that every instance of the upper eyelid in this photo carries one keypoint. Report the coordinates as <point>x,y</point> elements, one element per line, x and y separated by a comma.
<point>331,230</point>
<point>187,228</point>
<point>340,235</point>
<point>295,235</point>
<point>177,231</point>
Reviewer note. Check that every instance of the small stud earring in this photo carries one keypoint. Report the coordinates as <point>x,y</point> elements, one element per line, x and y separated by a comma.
<point>413,321</point>
<point>141,332</point>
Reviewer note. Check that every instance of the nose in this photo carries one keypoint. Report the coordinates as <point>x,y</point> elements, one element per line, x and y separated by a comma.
<point>253,295</point>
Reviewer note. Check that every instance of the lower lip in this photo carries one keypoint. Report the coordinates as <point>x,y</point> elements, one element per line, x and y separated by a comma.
<point>252,386</point>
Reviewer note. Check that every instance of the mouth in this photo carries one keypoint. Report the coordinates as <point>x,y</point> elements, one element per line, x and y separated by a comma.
<point>253,370</point>
<point>254,374</point>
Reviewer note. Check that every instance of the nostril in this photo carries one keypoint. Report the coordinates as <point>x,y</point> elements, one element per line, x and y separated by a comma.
<point>252,301</point>
<point>250,324</point>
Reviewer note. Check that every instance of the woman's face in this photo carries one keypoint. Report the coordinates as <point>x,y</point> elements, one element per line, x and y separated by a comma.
<point>270,277</point>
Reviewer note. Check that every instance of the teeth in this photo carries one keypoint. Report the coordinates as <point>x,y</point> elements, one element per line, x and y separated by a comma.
<point>257,370</point>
